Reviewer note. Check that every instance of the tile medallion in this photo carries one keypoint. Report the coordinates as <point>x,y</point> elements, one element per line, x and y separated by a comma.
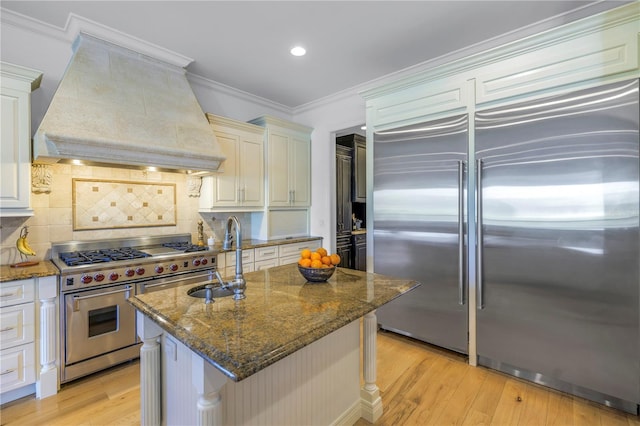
<point>104,204</point>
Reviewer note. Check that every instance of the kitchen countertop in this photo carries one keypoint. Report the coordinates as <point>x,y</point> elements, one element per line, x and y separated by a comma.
<point>281,314</point>
<point>249,243</point>
<point>44,268</point>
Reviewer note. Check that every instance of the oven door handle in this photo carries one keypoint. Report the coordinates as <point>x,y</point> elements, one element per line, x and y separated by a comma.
<point>77,299</point>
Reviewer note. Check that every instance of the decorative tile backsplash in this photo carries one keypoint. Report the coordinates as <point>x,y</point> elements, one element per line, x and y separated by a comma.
<point>104,204</point>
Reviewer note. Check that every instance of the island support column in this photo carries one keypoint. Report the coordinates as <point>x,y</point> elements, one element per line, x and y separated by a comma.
<point>150,371</point>
<point>208,382</point>
<point>370,393</point>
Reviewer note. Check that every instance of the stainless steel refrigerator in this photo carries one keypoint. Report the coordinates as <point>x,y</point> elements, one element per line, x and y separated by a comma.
<point>556,266</point>
<point>419,228</point>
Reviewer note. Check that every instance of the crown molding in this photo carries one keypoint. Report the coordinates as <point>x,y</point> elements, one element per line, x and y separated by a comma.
<point>545,33</point>
<point>27,76</point>
<point>196,79</point>
<point>77,24</point>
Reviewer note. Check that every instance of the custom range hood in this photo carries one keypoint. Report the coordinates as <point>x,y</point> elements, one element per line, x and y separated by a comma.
<point>120,108</point>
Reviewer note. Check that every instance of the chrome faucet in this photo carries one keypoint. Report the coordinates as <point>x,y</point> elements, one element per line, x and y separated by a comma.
<point>238,284</point>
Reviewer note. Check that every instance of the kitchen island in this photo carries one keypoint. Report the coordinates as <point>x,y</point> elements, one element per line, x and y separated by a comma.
<point>287,354</point>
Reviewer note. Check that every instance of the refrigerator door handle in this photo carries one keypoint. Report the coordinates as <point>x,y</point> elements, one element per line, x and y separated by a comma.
<point>461,165</point>
<point>479,233</point>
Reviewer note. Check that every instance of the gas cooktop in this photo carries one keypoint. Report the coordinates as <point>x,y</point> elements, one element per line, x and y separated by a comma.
<point>80,253</point>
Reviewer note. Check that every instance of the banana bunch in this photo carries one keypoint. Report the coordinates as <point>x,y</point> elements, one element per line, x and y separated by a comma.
<point>22,245</point>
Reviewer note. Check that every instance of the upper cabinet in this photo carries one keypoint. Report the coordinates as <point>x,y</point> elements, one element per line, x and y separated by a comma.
<point>589,52</point>
<point>288,156</point>
<point>15,143</point>
<point>360,170</point>
<point>358,175</point>
<point>240,183</point>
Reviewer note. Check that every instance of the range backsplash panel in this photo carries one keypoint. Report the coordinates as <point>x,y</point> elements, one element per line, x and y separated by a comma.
<point>107,204</point>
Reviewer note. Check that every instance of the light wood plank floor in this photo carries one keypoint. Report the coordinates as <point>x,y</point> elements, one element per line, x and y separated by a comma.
<point>419,384</point>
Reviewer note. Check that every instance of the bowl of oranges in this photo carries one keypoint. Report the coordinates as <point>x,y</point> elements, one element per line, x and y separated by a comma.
<point>317,266</point>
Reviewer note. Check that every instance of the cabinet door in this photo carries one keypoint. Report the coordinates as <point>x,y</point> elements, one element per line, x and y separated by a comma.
<point>343,193</point>
<point>278,163</point>
<point>360,172</point>
<point>251,173</point>
<point>360,252</point>
<point>15,177</point>
<point>343,248</point>
<point>226,191</point>
<point>300,171</point>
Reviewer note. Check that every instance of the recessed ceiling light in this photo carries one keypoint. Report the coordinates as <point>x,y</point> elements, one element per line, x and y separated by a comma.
<point>298,51</point>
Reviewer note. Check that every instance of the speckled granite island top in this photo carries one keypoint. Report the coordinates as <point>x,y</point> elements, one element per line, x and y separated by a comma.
<point>281,314</point>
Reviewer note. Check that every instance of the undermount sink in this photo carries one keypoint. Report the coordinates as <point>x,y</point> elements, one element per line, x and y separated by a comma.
<point>216,292</point>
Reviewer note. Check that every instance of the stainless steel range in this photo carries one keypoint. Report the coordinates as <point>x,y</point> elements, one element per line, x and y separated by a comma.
<point>98,326</point>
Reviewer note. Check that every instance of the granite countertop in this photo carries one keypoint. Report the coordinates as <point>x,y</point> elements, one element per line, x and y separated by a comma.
<point>250,244</point>
<point>281,314</point>
<point>44,268</point>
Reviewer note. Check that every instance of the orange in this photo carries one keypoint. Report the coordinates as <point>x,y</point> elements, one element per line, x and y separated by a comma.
<point>324,265</point>
<point>335,259</point>
<point>306,263</point>
<point>322,251</point>
<point>316,264</point>
<point>305,254</point>
<point>316,256</point>
<point>326,260</point>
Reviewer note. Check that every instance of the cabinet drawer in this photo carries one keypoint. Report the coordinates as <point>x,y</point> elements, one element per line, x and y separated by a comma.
<point>17,325</point>
<point>17,367</point>
<point>230,271</point>
<point>264,264</point>
<point>265,253</point>
<point>247,256</point>
<point>287,250</point>
<point>15,292</point>
<point>289,259</point>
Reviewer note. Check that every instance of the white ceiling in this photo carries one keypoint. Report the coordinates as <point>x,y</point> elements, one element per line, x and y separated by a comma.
<point>246,45</point>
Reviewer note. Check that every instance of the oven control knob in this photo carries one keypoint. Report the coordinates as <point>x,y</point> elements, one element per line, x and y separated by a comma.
<point>173,267</point>
<point>86,279</point>
<point>159,269</point>
<point>204,261</point>
<point>129,272</point>
<point>196,262</point>
<point>98,277</point>
<point>140,271</point>
<point>114,276</point>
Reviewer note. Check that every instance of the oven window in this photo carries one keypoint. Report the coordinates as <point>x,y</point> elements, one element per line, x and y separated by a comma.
<point>103,320</point>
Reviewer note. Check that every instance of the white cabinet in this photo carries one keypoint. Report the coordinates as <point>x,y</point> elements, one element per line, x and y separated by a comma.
<point>240,183</point>
<point>17,334</point>
<point>28,338</point>
<point>15,141</point>
<point>266,257</point>
<point>290,253</point>
<point>259,258</point>
<point>230,262</point>
<point>288,157</point>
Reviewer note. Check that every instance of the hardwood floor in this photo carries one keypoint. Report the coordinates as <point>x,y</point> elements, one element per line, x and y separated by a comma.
<point>419,384</point>
<point>110,397</point>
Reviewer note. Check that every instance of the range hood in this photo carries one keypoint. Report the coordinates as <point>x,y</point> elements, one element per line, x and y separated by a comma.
<point>120,108</point>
